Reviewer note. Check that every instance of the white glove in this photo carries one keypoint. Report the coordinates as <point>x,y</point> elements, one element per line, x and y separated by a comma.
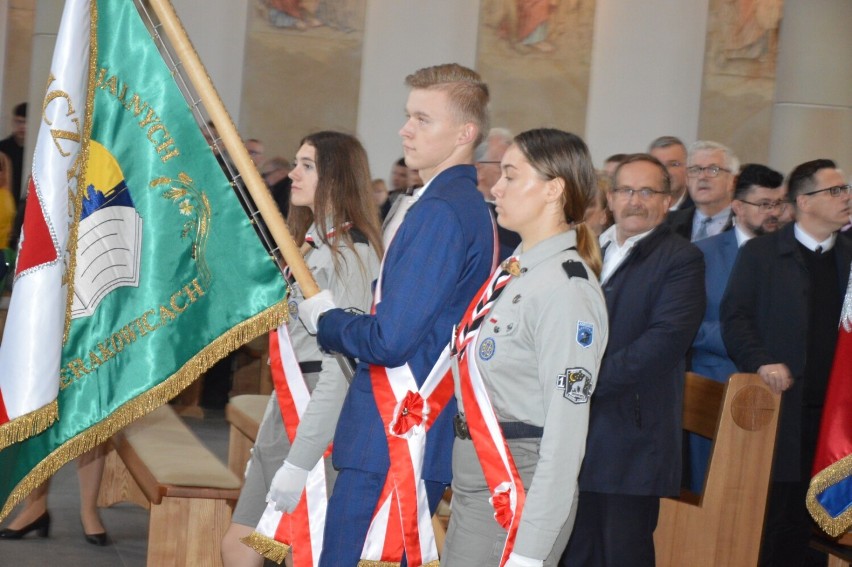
<point>516,560</point>
<point>311,309</point>
<point>287,487</point>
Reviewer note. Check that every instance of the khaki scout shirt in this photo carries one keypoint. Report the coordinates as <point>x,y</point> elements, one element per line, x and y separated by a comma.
<point>539,352</point>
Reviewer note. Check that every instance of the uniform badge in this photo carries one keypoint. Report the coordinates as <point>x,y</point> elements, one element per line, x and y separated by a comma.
<point>293,308</point>
<point>585,334</point>
<point>486,349</point>
<point>577,383</point>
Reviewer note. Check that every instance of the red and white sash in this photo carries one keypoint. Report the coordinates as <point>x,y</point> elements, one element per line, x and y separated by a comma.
<point>302,531</point>
<point>501,474</point>
<point>402,521</point>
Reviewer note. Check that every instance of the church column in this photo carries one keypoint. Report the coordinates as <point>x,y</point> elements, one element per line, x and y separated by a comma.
<point>812,114</point>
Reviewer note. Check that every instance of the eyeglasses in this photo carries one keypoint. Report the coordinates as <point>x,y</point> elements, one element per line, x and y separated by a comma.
<point>673,163</point>
<point>835,191</point>
<point>767,206</point>
<point>645,193</point>
<point>711,170</point>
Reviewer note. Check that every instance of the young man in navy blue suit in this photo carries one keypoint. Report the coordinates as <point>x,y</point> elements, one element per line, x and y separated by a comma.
<point>653,281</point>
<point>439,257</point>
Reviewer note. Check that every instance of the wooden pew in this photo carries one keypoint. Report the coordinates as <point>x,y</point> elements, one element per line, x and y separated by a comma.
<point>244,413</point>
<point>158,463</point>
<point>724,525</point>
<point>839,551</point>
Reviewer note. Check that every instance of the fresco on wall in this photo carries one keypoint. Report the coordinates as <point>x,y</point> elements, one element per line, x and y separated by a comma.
<point>302,70</point>
<point>739,75</point>
<point>535,56</point>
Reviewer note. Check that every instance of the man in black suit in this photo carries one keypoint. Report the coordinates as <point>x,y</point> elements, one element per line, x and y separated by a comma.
<point>779,318</point>
<point>653,281</point>
<point>711,171</point>
<point>672,153</point>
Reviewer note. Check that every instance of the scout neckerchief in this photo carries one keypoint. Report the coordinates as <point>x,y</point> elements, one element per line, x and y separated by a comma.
<point>302,530</point>
<point>332,232</point>
<point>501,474</point>
<point>402,521</point>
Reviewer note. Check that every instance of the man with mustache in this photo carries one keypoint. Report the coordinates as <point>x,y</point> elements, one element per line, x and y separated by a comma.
<point>711,170</point>
<point>653,281</point>
<point>760,198</point>
<point>779,319</point>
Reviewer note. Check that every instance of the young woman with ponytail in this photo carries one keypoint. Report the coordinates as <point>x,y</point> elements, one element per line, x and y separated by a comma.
<point>526,359</point>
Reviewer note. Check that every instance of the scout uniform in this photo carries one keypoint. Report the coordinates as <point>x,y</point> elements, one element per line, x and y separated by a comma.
<point>350,284</point>
<point>538,352</point>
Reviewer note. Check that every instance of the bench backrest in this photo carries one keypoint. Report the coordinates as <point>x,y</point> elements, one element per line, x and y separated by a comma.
<point>724,526</point>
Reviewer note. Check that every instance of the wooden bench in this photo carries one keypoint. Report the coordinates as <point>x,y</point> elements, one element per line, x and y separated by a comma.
<point>724,525</point>
<point>244,413</point>
<point>159,464</point>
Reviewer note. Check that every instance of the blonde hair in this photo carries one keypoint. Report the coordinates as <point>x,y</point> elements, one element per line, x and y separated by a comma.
<point>467,92</point>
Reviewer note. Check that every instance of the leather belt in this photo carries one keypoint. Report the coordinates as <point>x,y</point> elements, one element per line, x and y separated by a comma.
<point>511,429</point>
<point>311,367</point>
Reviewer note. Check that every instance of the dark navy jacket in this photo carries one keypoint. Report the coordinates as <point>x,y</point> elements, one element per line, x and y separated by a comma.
<point>765,321</point>
<point>441,255</point>
<point>656,302</point>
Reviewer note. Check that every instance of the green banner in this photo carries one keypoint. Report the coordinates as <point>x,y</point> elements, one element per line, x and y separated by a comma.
<point>168,274</point>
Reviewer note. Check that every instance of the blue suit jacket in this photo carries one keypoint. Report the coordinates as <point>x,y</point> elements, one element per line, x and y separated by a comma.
<point>655,300</point>
<point>709,355</point>
<point>440,257</point>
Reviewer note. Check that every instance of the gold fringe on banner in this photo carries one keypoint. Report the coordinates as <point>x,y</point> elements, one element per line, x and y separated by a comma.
<point>268,547</point>
<point>829,476</point>
<point>147,402</point>
<point>371,563</point>
<point>28,425</point>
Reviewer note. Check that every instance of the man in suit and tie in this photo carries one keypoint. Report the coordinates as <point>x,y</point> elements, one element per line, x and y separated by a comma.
<point>441,254</point>
<point>711,171</point>
<point>672,153</point>
<point>760,199</point>
<point>653,281</point>
<point>779,315</point>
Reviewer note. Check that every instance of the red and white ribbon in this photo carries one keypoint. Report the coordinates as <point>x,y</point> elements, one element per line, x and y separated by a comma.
<point>301,531</point>
<point>501,474</point>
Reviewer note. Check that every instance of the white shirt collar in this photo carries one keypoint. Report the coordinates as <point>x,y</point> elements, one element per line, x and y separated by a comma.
<point>615,254</point>
<point>742,236</point>
<point>810,242</point>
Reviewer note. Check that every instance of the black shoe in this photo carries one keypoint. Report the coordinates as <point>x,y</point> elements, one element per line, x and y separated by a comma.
<point>96,539</point>
<point>42,524</point>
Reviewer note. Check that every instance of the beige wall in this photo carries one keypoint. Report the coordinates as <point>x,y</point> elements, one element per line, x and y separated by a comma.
<point>18,19</point>
<point>645,75</point>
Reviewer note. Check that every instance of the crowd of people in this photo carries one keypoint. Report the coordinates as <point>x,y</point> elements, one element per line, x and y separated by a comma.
<point>522,325</point>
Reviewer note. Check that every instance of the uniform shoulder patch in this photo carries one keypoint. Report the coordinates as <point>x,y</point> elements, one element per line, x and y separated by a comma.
<point>575,269</point>
<point>577,383</point>
<point>585,334</point>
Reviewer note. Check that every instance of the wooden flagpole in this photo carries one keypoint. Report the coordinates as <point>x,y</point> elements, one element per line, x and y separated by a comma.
<point>233,143</point>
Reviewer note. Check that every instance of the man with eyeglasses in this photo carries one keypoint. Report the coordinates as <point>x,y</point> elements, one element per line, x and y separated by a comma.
<point>711,170</point>
<point>779,319</point>
<point>760,198</point>
<point>488,172</point>
<point>653,281</point>
<point>672,153</point>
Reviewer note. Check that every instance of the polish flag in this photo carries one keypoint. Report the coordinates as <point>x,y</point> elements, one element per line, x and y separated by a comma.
<point>31,350</point>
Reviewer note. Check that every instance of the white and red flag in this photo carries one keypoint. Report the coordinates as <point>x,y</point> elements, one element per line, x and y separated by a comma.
<point>31,351</point>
